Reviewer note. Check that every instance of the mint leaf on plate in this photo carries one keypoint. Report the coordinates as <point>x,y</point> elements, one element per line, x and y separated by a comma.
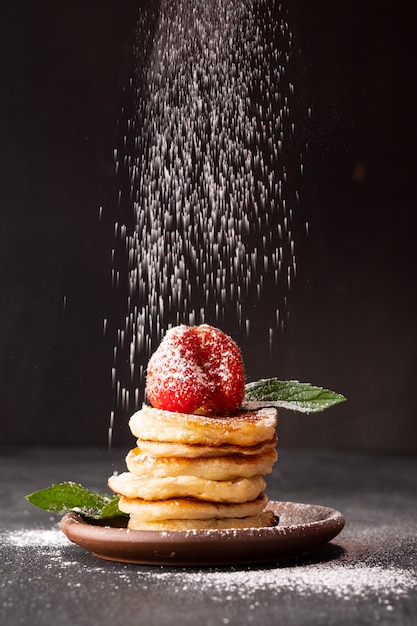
<point>289,394</point>
<point>69,496</point>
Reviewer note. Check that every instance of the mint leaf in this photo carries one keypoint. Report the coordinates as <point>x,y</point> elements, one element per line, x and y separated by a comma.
<point>111,509</point>
<point>290,394</point>
<point>69,496</point>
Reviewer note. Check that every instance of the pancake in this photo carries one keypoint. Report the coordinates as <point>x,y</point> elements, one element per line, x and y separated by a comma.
<point>150,488</point>
<point>264,519</point>
<point>170,449</point>
<point>191,472</point>
<point>244,428</point>
<point>214,468</point>
<point>190,509</point>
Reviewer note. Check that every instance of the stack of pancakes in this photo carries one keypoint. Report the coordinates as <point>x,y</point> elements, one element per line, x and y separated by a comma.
<point>194,471</point>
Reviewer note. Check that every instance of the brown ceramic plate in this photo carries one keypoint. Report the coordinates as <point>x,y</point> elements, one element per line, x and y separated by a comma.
<point>301,529</point>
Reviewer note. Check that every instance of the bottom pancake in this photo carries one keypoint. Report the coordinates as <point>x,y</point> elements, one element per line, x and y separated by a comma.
<point>262,520</point>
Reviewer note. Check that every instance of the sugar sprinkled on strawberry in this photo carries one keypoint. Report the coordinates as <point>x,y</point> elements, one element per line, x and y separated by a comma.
<point>196,369</point>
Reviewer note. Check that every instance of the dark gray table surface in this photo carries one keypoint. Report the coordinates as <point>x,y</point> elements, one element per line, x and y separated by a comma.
<point>366,575</point>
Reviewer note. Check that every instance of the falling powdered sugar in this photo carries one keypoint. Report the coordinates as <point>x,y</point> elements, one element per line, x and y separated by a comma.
<point>205,226</point>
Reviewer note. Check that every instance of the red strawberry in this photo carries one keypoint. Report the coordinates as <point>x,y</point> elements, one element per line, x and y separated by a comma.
<point>196,369</point>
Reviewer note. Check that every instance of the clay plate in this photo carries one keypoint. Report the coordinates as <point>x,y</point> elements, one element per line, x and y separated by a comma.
<point>301,529</point>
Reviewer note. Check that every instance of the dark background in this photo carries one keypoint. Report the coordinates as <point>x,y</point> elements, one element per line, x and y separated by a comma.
<point>65,67</point>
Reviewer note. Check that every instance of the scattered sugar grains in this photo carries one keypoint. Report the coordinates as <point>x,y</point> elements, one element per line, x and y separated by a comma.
<point>341,581</point>
<point>34,538</point>
<point>205,223</point>
<point>338,579</point>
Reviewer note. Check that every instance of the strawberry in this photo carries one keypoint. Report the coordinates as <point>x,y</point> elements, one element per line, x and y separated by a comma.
<point>196,369</point>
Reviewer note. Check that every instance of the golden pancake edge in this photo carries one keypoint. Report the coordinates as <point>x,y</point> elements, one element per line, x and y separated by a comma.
<point>262,520</point>
<point>150,488</point>
<point>212,468</point>
<point>244,428</point>
<point>190,508</point>
<point>197,471</point>
<point>175,449</point>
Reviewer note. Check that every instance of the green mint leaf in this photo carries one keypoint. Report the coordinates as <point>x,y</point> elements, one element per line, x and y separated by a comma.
<point>69,496</point>
<point>111,509</point>
<point>290,394</point>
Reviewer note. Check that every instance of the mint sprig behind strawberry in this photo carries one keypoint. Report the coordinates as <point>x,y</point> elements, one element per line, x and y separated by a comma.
<point>289,394</point>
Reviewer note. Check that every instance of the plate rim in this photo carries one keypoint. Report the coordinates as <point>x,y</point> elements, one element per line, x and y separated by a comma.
<point>187,547</point>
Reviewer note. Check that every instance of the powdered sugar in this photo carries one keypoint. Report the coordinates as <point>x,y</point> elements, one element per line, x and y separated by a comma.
<point>351,576</point>
<point>208,175</point>
<point>25,538</point>
<point>337,580</point>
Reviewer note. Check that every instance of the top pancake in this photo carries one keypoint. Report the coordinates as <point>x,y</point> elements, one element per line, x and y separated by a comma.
<point>244,428</point>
